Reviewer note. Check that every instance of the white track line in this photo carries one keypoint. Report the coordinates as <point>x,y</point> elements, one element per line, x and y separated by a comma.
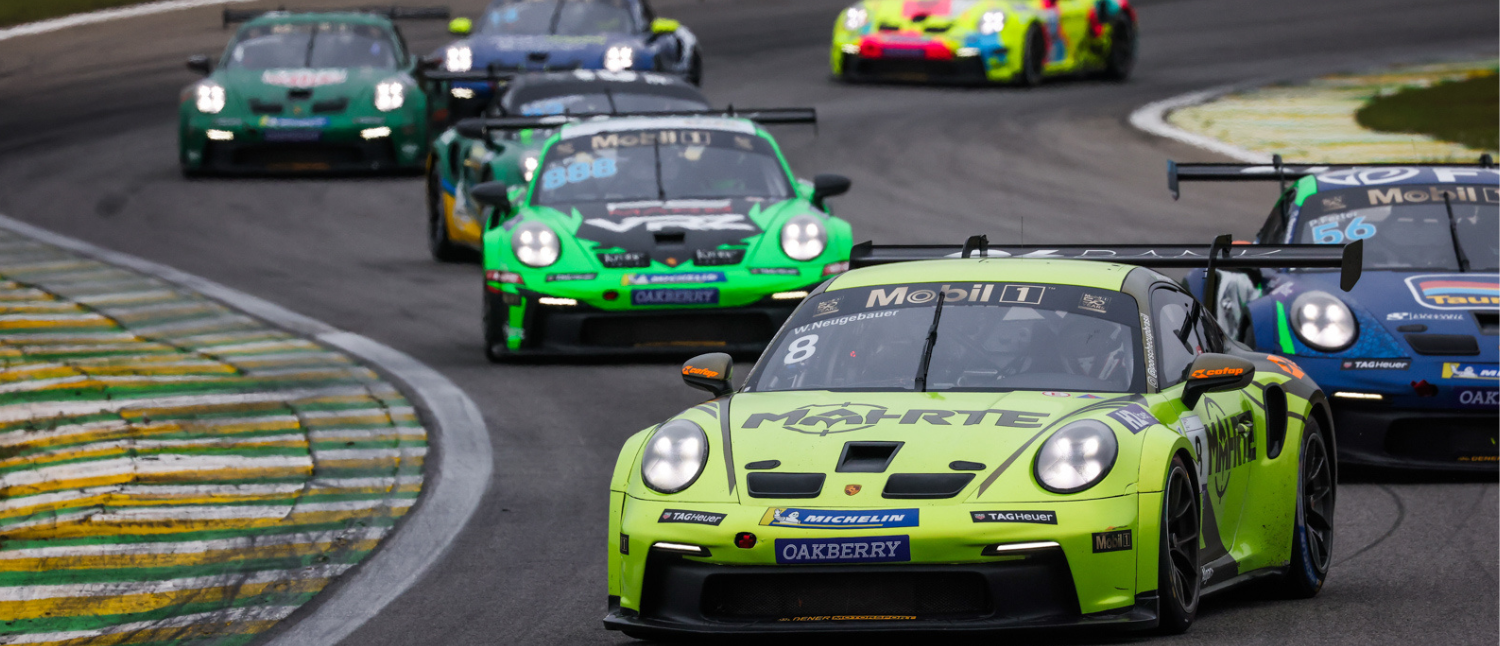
<point>1152,118</point>
<point>93,17</point>
<point>456,481</point>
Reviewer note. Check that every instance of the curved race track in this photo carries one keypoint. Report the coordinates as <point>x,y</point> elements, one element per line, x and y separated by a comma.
<point>87,148</point>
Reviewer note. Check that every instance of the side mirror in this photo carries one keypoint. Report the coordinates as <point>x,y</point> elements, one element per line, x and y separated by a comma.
<point>662,26</point>
<point>460,26</point>
<point>1214,373</point>
<point>429,63</point>
<point>200,64</point>
<point>826,186</point>
<point>709,372</point>
<point>470,128</point>
<point>495,194</point>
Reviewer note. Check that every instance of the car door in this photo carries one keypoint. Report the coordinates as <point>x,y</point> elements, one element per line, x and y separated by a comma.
<point>1221,427</point>
<point>1071,32</point>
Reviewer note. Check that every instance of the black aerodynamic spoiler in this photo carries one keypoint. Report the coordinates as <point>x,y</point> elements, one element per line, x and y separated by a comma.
<point>1349,259</point>
<point>1278,171</point>
<point>233,16</point>
<point>764,116</point>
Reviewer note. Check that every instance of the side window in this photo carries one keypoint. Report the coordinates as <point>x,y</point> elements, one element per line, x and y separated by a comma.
<point>400,44</point>
<point>1274,231</point>
<point>1171,309</point>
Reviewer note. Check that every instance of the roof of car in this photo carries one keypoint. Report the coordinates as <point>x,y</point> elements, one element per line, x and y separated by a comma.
<point>587,128</point>
<point>1083,273</point>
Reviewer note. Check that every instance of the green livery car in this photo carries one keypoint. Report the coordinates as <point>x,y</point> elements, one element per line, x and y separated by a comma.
<point>977,41</point>
<point>654,233</point>
<point>335,91</point>
<point>978,443</point>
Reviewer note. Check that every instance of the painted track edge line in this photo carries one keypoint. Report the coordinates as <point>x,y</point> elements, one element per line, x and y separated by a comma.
<point>105,15</point>
<point>453,487</point>
<point>1152,118</point>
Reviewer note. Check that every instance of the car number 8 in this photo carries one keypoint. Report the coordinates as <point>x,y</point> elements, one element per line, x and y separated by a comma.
<point>801,349</point>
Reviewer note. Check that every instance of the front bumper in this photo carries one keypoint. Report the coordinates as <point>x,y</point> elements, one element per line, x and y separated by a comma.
<point>341,144</point>
<point>950,70</point>
<point>535,327</point>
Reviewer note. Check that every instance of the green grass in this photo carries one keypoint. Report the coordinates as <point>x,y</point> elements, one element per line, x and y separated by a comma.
<point>15,12</point>
<point>1464,112</point>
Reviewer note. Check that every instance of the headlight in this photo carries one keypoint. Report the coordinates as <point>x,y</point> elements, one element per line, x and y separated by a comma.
<point>390,95</point>
<point>992,22</point>
<point>459,58</point>
<point>1076,457</point>
<point>528,167</point>
<point>535,244</point>
<point>1323,321</point>
<point>804,238</point>
<point>674,457</point>
<point>619,58</point>
<point>855,18</point>
<point>210,98</point>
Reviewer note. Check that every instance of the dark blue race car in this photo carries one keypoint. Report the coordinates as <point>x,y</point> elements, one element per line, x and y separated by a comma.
<point>561,35</point>
<point>1410,356</point>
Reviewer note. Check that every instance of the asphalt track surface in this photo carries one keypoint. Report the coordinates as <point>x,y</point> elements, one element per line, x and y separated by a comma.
<point>87,148</point>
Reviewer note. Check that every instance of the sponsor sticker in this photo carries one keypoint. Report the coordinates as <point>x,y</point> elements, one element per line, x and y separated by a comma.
<point>840,519</point>
<point>694,517</point>
<point>1471,371</point>
<point>1094,303</point>
<point>673,279</point>
<point>1134,417</point>
<point>822,419</point>
<point>1482,397</point>
<point>1089,396</point>
<point>303,78</point>
<point>1040,517</point>
<point>1455,291</point>
<point>776,271</point>
<point>1376,364</point>
<point>829,306</point>
<point>1424,316</point>
<point>1053,393</point>
<point>294,135</point>
<point>553,278</point>
<point>674,296</point>
<point>865,549</point>
<point>1111,541</point>
<point>284,122</point>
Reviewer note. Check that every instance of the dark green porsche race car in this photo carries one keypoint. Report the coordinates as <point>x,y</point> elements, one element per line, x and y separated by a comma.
<point>333,91</point>
<point>1021,437</point>
<point>650,234</point>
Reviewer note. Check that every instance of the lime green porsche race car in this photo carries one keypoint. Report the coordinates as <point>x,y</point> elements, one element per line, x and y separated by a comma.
<point>969,41</point>
<point>649,233</point>
<point>977,443</point>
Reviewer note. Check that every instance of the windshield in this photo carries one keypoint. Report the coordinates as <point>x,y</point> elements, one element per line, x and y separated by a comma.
<point>602,103</point>
<point>325,45</point>
<point>562,17</point>
<point>668,164</point>
<point>990,337</point>
<point>1408,227</point>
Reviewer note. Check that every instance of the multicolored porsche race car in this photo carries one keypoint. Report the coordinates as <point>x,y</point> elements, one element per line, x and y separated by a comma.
<point>307,91</point>
<point>470,154</point>
<point>1411,359</point>
<point>643,233</point>
<point>978,443</point>
<point>972,41</point>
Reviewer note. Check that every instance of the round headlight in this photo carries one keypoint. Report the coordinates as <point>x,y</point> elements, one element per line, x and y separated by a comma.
<point>535,244</point>
<point>619,57</point>
<point>855,18</point>
<point>804,238</point>
<point>210,99</point>
<point>390,95</point>
<point>1076,457</point>
<point>992,22</point>
<point>1323,321</point>
<point>674,456</point>
<point>459,58</point>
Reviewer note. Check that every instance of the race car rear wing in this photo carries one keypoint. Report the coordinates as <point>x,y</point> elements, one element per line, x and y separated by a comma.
<point>234,16</point>
<point>1276,171</point>
<point>476,128</point>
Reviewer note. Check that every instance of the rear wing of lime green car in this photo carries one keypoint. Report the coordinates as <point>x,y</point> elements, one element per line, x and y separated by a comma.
<point>235,16</point>
<point>1279,171</point>
<point>477,127</point>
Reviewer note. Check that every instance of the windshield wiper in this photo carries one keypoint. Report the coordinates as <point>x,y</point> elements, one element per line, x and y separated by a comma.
<point>937,314</point>
<point>661,190</point>
<point>1463,261</point>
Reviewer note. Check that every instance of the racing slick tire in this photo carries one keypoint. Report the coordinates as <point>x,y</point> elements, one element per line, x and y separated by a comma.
<point>1312,536</point>
<point>495,313</point>
<point>1179,580</point>
<point>1033,58</point>
<point>438,243</point>
<point>1121,58</point>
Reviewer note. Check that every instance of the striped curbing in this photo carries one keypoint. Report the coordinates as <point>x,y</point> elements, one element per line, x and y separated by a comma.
<point>172,471</point>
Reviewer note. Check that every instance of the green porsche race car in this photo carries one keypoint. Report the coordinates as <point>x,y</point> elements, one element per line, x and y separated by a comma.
<point>1015,41</point>
<point>1020,437</point>
<point>649,233</point>
<point>334,91</point>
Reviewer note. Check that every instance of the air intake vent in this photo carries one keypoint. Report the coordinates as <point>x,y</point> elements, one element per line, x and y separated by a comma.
<point>259,107</point>
<point>784,485</point>
<point>925,485</point>
<point>299,94</point>
<point>867,457</point>
<point>330,106</point>
<point>1489,322</point>
<point>671,238</point>
<point>1455,345</point>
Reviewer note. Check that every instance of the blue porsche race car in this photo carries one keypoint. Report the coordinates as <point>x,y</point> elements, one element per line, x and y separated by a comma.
<point>1411,357</point>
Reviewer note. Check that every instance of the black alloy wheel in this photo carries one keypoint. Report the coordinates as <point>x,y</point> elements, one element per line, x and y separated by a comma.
<point>1312,537</point>
<point>1180,582</point>
<point>438,243</point>
<point>1034,58</point>
<point>496,313</point>
<point>1121,58</point>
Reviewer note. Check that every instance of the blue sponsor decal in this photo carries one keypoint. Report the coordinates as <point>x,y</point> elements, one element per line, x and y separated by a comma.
<point>1480,397</point>
<point>283,136</point>
<point>675,279</point>
<point>840,518</point>
<point>1134,418</point>
<point>708,296</point>
<point>282,122</point>
<point>865,549</point>
<point>1471,371</point>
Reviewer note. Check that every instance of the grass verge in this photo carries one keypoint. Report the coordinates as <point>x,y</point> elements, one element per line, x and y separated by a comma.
<point>1465,112</point>
<point>15,12</point>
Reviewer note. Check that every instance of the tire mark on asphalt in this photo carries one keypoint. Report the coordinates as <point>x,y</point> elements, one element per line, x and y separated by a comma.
<point>1400,516</point>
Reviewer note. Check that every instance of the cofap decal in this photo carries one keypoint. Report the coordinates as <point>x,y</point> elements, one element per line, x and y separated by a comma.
<point>303,78</point>
<point>1455,291</point>
<point>840,519</point>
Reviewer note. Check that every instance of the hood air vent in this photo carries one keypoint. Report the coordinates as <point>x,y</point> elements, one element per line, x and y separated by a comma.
<point>299,94</point>
<point>784,485</point>
<point>1453,345</point>
<point>331,105</point>
<point>1489,322</point>
<point>867,457</point>
<point>259,107</point>
<point>925,485</point>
